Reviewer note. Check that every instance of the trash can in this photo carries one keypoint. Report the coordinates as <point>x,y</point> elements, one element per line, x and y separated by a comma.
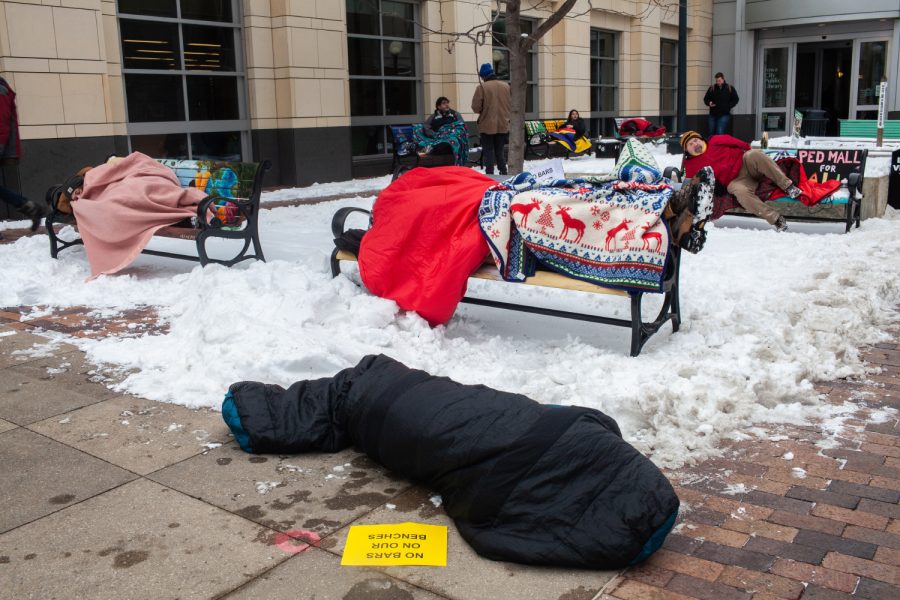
<point>815,121</point>
<point>607,148</point>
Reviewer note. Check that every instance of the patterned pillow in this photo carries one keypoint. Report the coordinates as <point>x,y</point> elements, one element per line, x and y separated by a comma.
<point>637,164</point>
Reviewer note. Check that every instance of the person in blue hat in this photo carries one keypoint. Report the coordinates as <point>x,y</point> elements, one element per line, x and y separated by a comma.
<point>492,102</point>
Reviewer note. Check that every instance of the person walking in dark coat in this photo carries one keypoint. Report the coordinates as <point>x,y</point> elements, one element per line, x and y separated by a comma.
<point>493,102</point>
<point>10,151</point>
<point>721,97</point>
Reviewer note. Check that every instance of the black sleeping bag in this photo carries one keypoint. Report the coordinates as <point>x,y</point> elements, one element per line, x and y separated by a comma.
<point>524,482</point>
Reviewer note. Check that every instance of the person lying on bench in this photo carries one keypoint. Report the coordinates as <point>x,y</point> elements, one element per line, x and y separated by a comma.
<point>572,130</point>
<point>738,169</point>
<point>443,132</point>
<point>120,204</point>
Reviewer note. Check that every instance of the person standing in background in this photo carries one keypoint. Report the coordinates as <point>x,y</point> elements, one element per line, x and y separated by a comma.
<point>492,102</point>
<point>10,151</point>
<point>721,97</point>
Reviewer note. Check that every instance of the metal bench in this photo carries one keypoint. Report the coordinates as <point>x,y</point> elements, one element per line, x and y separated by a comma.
<point>539,144</point>
<point>406,155</point>
<point>641,330</point>
<point>236,210</point>
<point>820,165</point>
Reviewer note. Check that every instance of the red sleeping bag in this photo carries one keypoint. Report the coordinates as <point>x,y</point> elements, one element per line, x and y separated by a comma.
<point>425,240</point>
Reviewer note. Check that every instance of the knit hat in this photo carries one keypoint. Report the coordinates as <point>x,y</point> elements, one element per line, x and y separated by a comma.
<point>486,70</point>
<point>690,135</point>
<point>64,204</point>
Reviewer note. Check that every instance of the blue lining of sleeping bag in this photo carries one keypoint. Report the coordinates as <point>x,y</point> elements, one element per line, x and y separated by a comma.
<point>656,540</point>
<point>233,420</point>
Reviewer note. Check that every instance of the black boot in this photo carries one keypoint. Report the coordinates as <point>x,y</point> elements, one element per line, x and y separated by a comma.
<point>35,212</point>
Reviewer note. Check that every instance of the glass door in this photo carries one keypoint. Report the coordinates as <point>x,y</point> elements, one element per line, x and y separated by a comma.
<point>869,68</point>
<point>776,94</point>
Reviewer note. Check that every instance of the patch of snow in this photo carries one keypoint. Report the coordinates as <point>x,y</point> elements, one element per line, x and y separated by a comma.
<point>733,489</point>
<point>264,487</point>
<point>764,316</point>
<point>788,456</point>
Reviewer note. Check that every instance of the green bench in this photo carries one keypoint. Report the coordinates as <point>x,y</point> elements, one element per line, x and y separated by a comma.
<point>868,129</point>
<point>537,140</point>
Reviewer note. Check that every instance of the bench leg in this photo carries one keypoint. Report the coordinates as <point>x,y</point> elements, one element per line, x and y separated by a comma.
<point>637,324</point>
<point>335,263</point>
<point>672,296</point>
<point>54,241</point>
<point>57,245</point>
<point>257,246</point>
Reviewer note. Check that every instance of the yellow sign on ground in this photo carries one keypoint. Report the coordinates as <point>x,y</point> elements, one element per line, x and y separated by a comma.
<point>397,544</point>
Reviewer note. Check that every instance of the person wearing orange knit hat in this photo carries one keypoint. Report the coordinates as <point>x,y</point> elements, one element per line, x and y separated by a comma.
<point>739,169</point>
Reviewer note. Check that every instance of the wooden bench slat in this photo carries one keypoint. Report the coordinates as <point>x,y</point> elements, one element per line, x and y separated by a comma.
<point>488,270</point>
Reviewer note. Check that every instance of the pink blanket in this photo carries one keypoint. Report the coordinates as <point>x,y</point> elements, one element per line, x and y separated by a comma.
<point>124,204</point>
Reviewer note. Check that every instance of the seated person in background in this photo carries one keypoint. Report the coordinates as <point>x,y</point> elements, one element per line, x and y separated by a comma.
<point>443,132</point>
<point>738,169</point>
<point>120,204</point>
<point>573,130</point>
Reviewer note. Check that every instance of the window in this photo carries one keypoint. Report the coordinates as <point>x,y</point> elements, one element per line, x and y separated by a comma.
<point>872,63</point>
<point>383,49</point>
<point>668,78</point>
<point>500,58</point>
<point>183,75</point>
<point>604,80</point>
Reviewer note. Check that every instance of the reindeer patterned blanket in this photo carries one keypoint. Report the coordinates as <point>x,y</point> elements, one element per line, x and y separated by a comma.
<point>606,232</point>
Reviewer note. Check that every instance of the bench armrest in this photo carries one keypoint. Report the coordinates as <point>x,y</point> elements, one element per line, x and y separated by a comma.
<point>854,183</point>
<point>673,173</point>
<point>337,221</point>
<point>243,205</point>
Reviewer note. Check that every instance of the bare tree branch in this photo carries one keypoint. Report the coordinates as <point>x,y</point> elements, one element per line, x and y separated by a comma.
<point>547,25</point>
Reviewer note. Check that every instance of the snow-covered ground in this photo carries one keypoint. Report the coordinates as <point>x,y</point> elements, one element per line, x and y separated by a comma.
<point>765,315</point>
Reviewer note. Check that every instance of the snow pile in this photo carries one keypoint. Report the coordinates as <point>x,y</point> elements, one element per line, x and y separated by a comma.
<point>764,316</point>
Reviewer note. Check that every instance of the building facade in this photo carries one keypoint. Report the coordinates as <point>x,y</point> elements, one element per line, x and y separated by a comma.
<point>313,84</point>
<point>823,58</point>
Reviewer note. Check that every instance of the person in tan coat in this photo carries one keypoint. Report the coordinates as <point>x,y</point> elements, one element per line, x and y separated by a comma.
<point>492,101</point>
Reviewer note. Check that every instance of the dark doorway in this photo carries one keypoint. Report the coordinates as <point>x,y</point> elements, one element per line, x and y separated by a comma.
<point>822,85</point>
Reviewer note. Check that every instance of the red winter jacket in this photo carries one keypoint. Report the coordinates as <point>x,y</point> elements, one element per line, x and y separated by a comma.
<point>9,123</point>
<point>725,154</point>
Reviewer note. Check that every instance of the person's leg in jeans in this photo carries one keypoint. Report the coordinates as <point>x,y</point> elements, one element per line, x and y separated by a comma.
<point>743,187</point>
<point>11,197</point>
<point>500,141</point>
<point>711,124</point>
<point>487,152</point>
<point>722,124</point>
<point>31,210</point>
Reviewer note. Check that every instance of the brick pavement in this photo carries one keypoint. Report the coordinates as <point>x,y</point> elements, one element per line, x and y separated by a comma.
<point>792,517</point>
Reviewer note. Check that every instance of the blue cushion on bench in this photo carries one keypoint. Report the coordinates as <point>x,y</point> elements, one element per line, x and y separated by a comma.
<point>842,196</point>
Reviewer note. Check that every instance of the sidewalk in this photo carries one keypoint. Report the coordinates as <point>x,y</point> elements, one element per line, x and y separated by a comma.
<point>106,495</point>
